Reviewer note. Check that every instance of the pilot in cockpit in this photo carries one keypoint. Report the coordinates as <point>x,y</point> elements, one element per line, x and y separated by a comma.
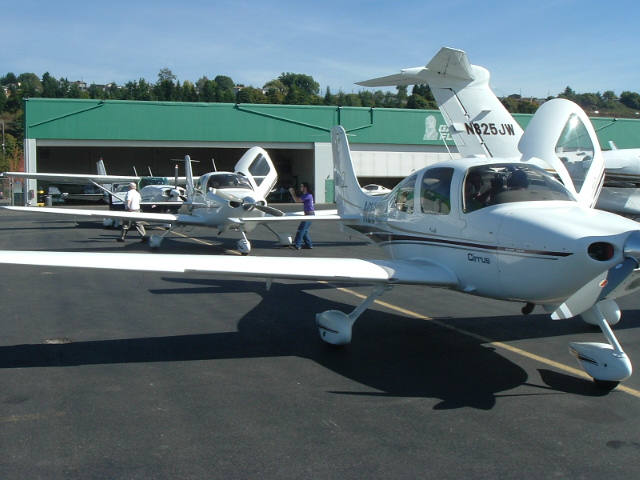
<point>474,190</point>
<point>519,180</point>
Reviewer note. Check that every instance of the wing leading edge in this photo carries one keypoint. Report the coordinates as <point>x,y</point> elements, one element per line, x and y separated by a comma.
<point>328,269</point>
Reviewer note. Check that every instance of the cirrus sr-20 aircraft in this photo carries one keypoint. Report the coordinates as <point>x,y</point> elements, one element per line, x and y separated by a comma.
<point>532,239</point>
<point>234,201</point>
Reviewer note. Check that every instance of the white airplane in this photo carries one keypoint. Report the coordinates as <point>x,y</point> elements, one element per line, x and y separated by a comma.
<point>481,126</point>
<point>156,193</point>
<point>542,245</point>
<point>221,200</point>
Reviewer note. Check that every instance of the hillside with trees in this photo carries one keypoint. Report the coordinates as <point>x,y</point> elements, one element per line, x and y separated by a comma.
<point>289,89</point>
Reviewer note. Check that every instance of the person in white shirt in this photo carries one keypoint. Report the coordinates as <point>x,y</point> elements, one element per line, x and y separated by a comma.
<point>132,204</point>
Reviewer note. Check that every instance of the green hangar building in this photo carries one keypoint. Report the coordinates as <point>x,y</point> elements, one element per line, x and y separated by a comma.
<point>70,136</point>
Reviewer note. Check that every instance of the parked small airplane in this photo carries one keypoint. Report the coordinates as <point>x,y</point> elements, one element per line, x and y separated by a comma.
<point>221,200</point>
<point>157,193</point>
<point>538,242</point>
<point>481,126</point>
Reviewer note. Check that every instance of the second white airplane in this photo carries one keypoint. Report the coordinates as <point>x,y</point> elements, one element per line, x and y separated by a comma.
<point>226,201</point>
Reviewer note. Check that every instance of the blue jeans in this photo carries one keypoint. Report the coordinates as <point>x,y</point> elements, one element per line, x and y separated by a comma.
<point>303,235</point>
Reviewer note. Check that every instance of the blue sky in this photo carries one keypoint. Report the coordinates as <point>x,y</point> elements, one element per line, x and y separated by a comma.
<point>532,48</point>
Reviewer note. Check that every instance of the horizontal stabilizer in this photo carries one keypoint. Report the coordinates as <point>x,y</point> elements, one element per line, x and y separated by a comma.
<point>453,63</point>
<point>388,81</point>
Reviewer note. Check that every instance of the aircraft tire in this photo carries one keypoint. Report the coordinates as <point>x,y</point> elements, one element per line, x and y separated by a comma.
<point>605,384</point>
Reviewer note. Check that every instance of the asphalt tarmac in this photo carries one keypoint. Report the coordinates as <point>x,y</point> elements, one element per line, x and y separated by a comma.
<point>126,375</point>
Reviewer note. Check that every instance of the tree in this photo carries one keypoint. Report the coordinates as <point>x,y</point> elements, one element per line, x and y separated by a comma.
<point>14,99</point>
<point>30,85</point>
<point>511,104</point>
<point>251,95</point>
<point>527,106</point>
<point>189,93</point>
<point>164,90</point>
<point>416,102</point>
<point>305,84</point>
<point>166,74</point>
<point>568,93</point>
<point>275,91</point>
<point>630,99</point>
<point>50,86</point>
<point>9,79</point>
<point>424,91</point>
<point>224,83</point>
<point>208,91</point>
<point>401,96</point>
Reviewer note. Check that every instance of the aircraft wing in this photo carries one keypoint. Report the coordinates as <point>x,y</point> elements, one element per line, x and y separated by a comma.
<point>320,216</point>
<point>328,269</point>
<point>73,177</point>
<point>141,216</point>
<point>621,200</point>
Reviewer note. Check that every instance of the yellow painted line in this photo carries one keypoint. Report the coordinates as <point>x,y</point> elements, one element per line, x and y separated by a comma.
<point>483,339</point>
<point>30,417</point>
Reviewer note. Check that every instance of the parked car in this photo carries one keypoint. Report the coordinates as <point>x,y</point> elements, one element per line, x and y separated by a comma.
<point>373,189</point>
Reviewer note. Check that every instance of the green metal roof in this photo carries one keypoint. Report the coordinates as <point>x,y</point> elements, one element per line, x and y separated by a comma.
<point>118,120</point>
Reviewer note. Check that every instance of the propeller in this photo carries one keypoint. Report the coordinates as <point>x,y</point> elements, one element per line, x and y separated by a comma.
<point>248,203</point>
<point>601,286</point>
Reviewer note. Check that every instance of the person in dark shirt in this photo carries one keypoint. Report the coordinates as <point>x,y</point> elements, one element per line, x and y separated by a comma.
<point>306,198</point>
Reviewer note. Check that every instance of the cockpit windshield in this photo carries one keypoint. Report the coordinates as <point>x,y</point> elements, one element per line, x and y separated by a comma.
<point>228,180</point>
<point>494,184</point>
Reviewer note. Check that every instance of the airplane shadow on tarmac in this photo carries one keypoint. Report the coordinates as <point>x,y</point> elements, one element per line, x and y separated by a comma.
<point>393,355</point>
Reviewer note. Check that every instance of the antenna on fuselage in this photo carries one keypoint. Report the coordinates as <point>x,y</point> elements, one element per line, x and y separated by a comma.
<point>214,164</point>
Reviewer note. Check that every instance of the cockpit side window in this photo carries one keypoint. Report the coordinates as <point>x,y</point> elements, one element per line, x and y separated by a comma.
<point>403,196</point>
<point>435,192</point>
<point>494,184</point>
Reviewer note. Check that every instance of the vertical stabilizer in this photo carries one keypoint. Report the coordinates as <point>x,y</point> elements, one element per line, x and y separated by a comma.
<point>189,176</point>
<point>478,122</point>
<point>350,199</point>
<point>101,168</point>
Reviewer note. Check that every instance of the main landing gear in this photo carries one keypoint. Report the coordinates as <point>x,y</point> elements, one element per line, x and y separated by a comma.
<point>606,363</point>
<point>336,326</point>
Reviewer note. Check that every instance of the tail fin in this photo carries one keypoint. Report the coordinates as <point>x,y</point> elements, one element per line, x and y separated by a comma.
<point>101,168</point>
<point>350,199</point>
<point>189,175</point>
<point>108,187</point>
<point>477,120</point>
